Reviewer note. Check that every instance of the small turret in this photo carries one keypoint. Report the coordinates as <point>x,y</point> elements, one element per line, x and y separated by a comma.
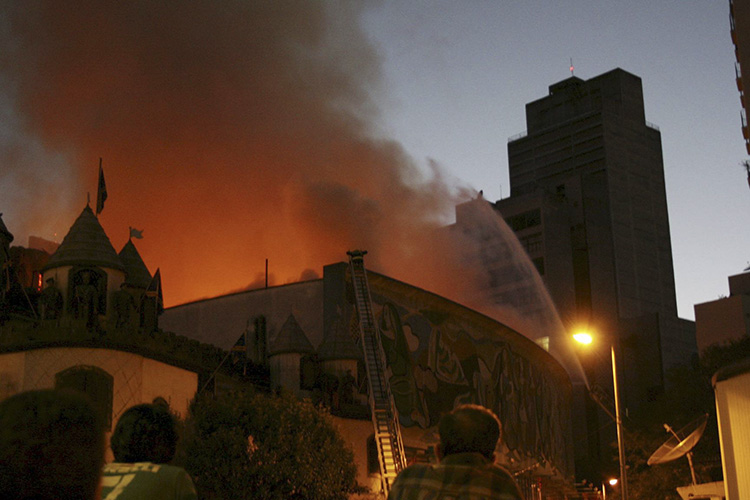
<point>285,352</point>
<point>87,270</point>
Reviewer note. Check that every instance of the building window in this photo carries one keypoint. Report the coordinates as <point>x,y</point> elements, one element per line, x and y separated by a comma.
<point>38,286</point>
<point>525,220</point>
<point>95,383</point>
<point>532,243</point>
<point>543,342</point>
<point>87,292</point>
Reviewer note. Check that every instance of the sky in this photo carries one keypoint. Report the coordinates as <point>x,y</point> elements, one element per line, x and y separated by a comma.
<point>459,74</point>
<point>295,131</point>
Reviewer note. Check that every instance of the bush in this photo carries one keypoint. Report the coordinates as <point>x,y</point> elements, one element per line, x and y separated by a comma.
<point>245,445</point>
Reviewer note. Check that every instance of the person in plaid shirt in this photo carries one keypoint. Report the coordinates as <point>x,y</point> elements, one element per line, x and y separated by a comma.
<point>468,437</point>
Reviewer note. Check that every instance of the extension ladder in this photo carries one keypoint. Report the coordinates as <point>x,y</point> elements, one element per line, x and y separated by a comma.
<point>390,446</point>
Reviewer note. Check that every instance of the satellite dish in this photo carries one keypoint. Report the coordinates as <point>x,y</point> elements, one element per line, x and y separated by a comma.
<point>680,443</point>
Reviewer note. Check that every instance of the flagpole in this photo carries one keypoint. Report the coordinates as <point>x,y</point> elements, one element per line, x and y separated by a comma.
<point>101,191</point>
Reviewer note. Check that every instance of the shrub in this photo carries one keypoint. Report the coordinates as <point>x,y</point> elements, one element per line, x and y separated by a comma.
<point>245,445</point>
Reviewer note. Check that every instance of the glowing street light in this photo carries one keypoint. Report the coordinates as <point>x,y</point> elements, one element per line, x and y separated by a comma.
<point>612,482</point>
<point>583,338</point>
<point>586,338</point>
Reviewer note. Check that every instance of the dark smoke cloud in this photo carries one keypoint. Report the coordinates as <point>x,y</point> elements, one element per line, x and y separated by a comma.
<point>231,132</point>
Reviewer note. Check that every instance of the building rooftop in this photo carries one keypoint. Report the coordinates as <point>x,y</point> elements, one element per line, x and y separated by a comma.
<point>86,244</point>
<point>4,230</point>
<point>290,339</point>
<point>135,269</point>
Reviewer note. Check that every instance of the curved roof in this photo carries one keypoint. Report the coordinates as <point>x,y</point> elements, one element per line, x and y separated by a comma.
<point>86,244</point>
<point>338,344</point>
<point>290,339</point>
<point>135,269</point>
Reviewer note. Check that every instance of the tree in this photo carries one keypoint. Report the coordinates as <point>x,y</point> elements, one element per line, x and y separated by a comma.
<point>245,445</point>
<point>690,394</point>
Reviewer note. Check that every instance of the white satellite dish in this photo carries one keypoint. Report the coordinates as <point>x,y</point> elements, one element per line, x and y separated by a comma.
<point>680,443</point>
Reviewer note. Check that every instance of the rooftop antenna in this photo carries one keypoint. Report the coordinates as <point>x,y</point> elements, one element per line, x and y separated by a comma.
<point>571,66</point>
<point>680,443</point>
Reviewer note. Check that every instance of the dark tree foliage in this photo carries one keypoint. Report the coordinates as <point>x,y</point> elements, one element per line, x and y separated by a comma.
<point>245,445</point>
<point>689,395</point>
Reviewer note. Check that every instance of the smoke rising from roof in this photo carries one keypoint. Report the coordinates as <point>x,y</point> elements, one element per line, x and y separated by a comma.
<point>230,132</point>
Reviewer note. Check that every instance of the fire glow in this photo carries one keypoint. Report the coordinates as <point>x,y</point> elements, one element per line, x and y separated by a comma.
<point>236,135</point>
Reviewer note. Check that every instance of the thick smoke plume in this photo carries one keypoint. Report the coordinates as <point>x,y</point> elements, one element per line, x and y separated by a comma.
<point>231,132</point>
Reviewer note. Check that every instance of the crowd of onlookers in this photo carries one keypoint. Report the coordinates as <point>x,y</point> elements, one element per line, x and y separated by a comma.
<point>52,447</point>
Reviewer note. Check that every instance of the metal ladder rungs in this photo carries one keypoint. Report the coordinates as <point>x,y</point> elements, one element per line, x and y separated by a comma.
<point>384,415</point>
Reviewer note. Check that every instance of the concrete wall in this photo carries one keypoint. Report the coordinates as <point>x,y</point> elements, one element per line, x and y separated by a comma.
<point>221,321</point>
<point>176,385</point>
<point>11,373</point>
<point>136,379</point>
<point>355,434</point>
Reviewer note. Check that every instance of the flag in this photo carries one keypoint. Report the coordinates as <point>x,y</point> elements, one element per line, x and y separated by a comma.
<point>135,233</point>
<point>101,191</point>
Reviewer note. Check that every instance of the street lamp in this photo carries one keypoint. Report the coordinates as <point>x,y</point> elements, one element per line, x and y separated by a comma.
<point>586,338</point>
<point>612,482</point>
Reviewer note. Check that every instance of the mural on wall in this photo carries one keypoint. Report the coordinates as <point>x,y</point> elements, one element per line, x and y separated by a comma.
<point>436,364</point>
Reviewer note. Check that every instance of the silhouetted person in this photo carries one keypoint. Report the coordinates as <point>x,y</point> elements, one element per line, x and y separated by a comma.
<point>51,447</point>
<point>143,442</point>
<point>51,301</point>
<point>468,437</point>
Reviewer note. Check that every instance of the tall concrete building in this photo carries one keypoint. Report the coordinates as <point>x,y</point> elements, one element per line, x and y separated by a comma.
<point>588,203</point>
<point>739,21</point>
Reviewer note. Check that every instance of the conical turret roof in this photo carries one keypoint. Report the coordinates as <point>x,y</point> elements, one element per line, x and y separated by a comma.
<point>4,230</point>
<point>290,339</point>
<point>338,344</point>
<point>86,244</point>
<point>135,269</point>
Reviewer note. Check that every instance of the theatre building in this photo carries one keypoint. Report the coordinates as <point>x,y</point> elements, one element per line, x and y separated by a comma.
<point>438,354</point>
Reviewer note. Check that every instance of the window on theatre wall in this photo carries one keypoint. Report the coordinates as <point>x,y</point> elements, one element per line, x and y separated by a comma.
<point>95,383</point>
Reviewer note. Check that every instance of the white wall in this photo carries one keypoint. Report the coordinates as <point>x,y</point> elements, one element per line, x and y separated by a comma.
<point>733,413</point>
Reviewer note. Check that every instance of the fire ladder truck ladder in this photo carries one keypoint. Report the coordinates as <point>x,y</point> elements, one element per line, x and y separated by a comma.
<point>384,415</point>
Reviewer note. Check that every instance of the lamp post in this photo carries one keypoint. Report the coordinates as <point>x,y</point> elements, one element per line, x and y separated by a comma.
<point>585,338</point>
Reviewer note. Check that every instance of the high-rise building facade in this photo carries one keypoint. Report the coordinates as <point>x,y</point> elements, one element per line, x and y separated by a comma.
<point>588,203</point>
<point>739,22</point>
